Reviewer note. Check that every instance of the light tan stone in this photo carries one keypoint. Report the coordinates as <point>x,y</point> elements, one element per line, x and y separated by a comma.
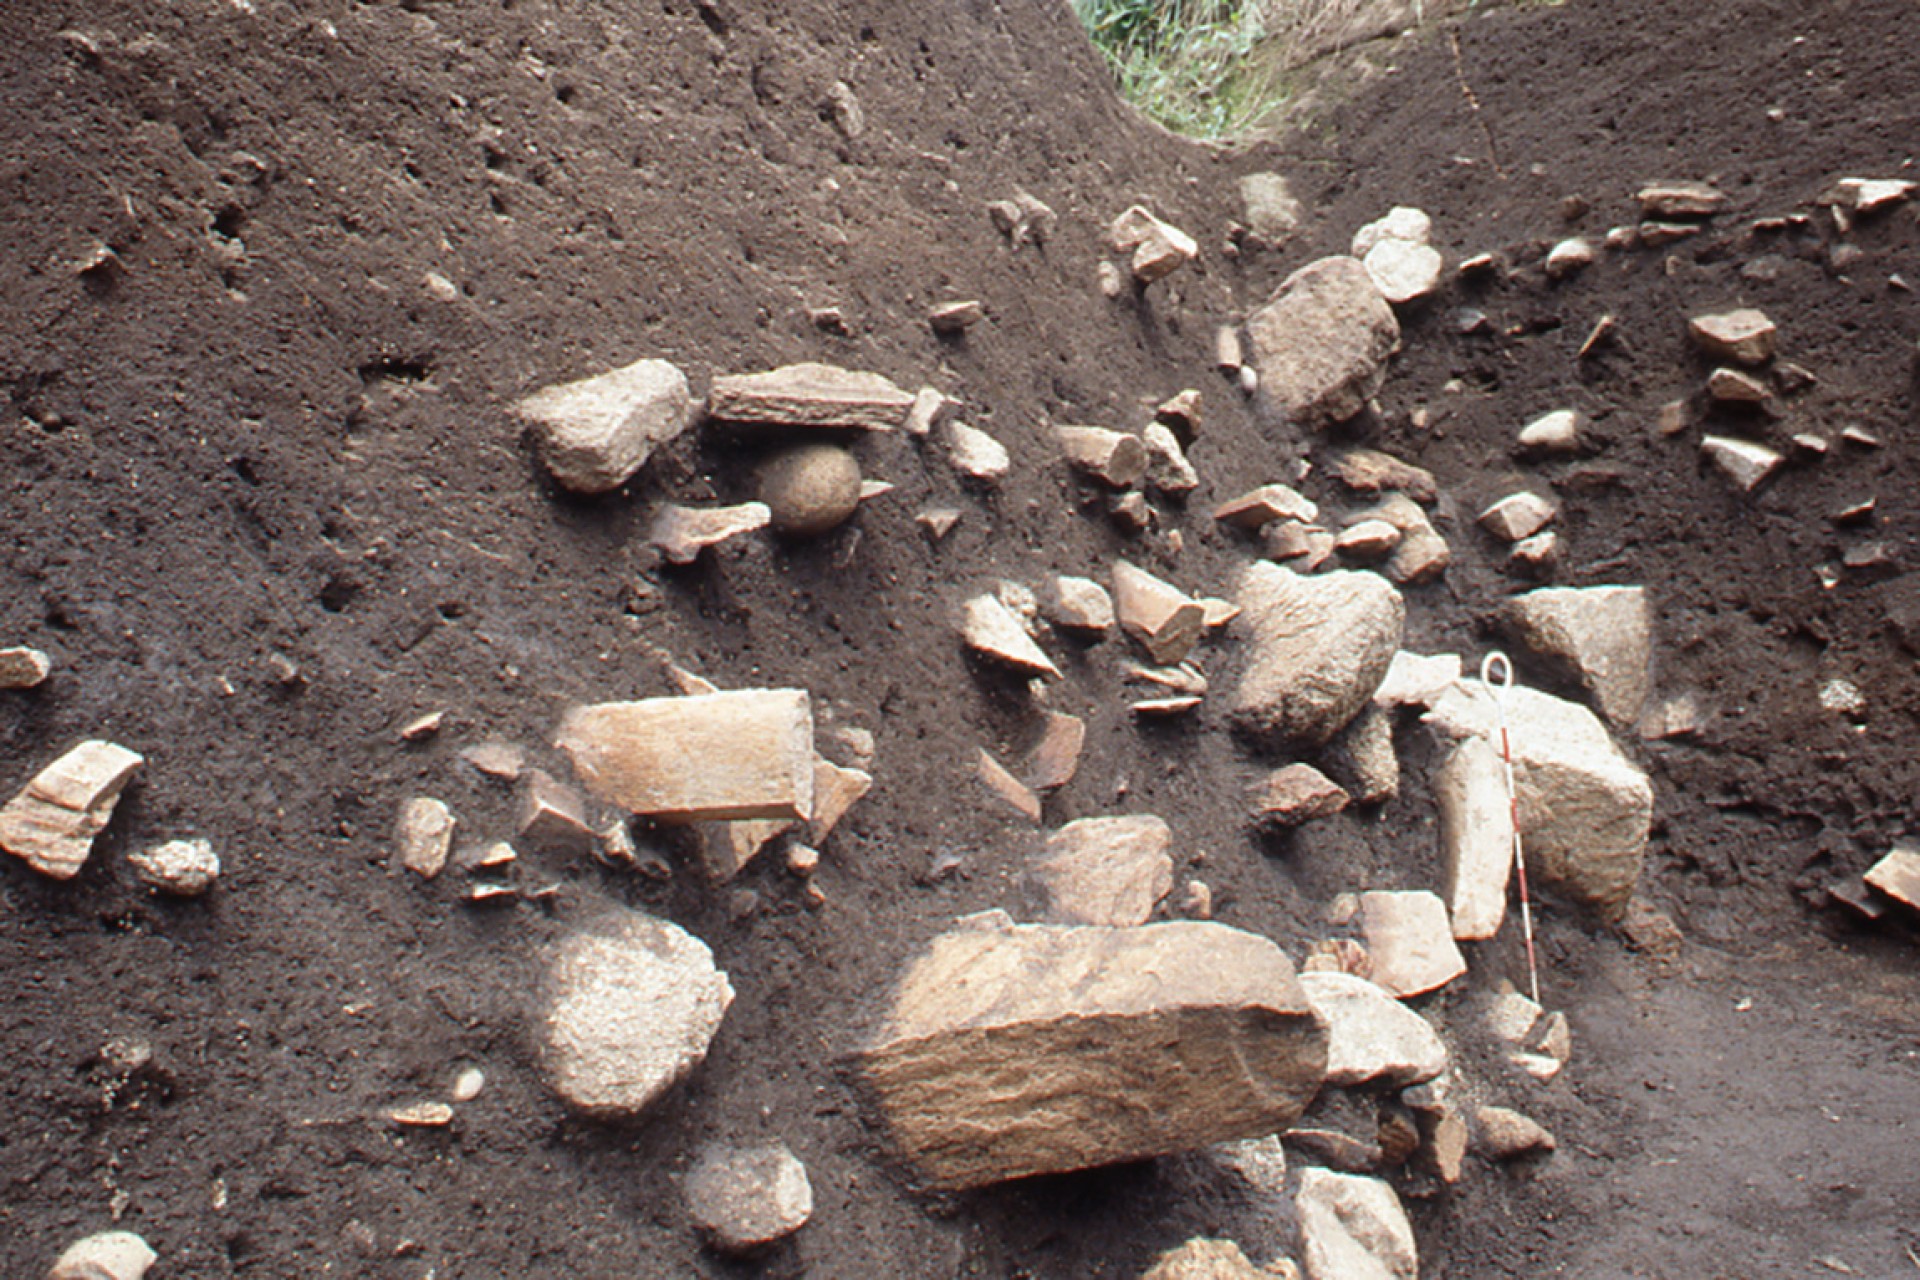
<point>1898,876</point>
<point>1022,798</point>
<point>976,454</point>
<point>1156,248</point>
<point>1744,336</point>
<point>108,1255</point>
<point>1296,794</point>
<point>835,791</point>
<point>1166,622</point>
<point>52,822</point>
<point>1320,346</point>
<point>423,836</point>
<point>991,630</point>
<point>1517,516</point>
<point>595,433</point>
<point>1319,648</point>
<point>1077,604</point>
<point>1409,941</point>
<point>1602,636</point>
<point>1260,507</point>
<point>23,668</point>
<point>1201,1259</point>
<point>810,395</point>
<point>1680,199</point>
<point>682,533</point>
<point>1056,757</point>
<point>1109,870</point>
<point>1112,457</point>
<point>1476,836</point>
<point>552,814</point>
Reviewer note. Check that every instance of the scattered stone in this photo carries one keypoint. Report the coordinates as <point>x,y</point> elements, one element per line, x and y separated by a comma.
<point>490,855</point>
<point>23,668</point>
<point>975,453</point>
<point>1505,1134</point>
<point>1409,940</point>
<point>1403,223</point>
<point>1601,335</point>
<point>1159,708</point>
<point>992,631</point>
<point>930,408</point>
<point>1730,386</point>
<point>1336,1150</point>
<point>1269,208</point>
<point>1868,195</point>
<point>1744,336</point>
<point>1217,612</point>
<point>835,791</point>
<point>1181,413</point>
<point>1415,680</point>
<point>424,726</point>
<point>423,836</point>
<point>1364,758</point>
<point>422,1115</point>
<point>744,754</point>
<point>1367,540</point>
<point>1370,471</point>
<point>1673,418</point>
<point>1320,345</point>
<point>1480,264</point>
<point>1229,356</point>
<point>727,848</point>
<point>810,395</point>
<point>1165,622</point>
<point>956,317</point>
<point>1422,554</point>
<point>1260,507</point>
<point>634,1003</point>
<point>1675,718</point>
<point>1167,467</point>
<point>1602,635</point>
<point>938,521</point>
<point>51,823</point>
<point>468,1084</point>
<point>682,533</point>
<point>595,433</point>
<point>184,867</point>
<point>1108,871</point>
<point>1131,512</point>
<point>1202,1259</point>
<point>1296,794</point>
<point>811,489</point>
<point>1372,1039</point>
<point>1557,433</point>
<point>1025,219</point>
<point>1112,457</point>
<point>1860,436</point>
<point>1023,799</point>
<point>1320,647</point>
<point>1353,1228</point>
<point>1056,757</point>
<point>1898,876</point>
<point>502,760</point>
<point>553,815</point>
<point>1680,200</point>
<point>1077,604</point>
<point>1197,902</point>
<point>1157,248</point>
<point>1518,516</point>
<point>990,1028</point>
<point>1403,271</point>
<point>1476,836</point>
<point>1747,464</point>
<point>744,1198</point>
<point>109,1255</point>
<point>1185,678</point>
<point>1655,235</point>
<point>1568,257</point>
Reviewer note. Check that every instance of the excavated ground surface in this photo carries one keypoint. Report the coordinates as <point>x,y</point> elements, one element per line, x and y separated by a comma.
<point>262,433</point>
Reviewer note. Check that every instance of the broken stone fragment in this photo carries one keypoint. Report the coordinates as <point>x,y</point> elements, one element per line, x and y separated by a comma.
<point>1321,344</point>
<point>1505,1134</point>
<point>938,521</point>
<point>1319,648</point>
<point>1025,219</point>
<point>551,814</point>
<point>1294,795</point>
<point>1416,679</point>
<point>1370,471</point>
<point>423,836</point>
<point>1372,1039</point>
<point>1228,354</point>
<point>1112,457</point>
<point>1181,413</point>
<point>810,395</point>
<point>595,433</point>
<point>1056,757</point>
<point>1518,516</point>
<point>23,668</point>
<point>1421,555</point>
<point>1730,386</point>
<point>186,868</point>
<point>1077,604</point>
<point>1476,836</point>
<point>991,630</point>
<point>1271,211</point>
<point>422,1115</point>
<point>1166,622</point>
<point>1602,636</point>
<point>835,791</point>
<point>1260,507</point>
<point>930,408</point>
<point>109,1255</point>
<point>1185,678</point>
<point>1018,796</point>
<point>52,822</point>
<point>1898,876</point>
<point>1156,248</point>
<point>744,754</point>
<point>1167,467</point>
<point>1105,871</point>
<point>976,454</point>
<point>1744,336</point>
<point>956,317</point>
<point>1035,1049</point>
<point>1363,756</point>
<point>1353,1228</point>
<point>1402,222</point>
<point>1409,941</point>
<point>811,489</point>
<point>634,1002</point>
<point>1568,257</point>
<point>681,533</point>
<point>742,1199</point>
<point>1202,1259</point>
<point>727,848</point>
<point>502,760</point>
<point>1680,200</point>
<point>1367,541</point>
<point>1747,464</point>
<point>1555,433</point>
<point>1403,271</point>
<point>1868,195</point>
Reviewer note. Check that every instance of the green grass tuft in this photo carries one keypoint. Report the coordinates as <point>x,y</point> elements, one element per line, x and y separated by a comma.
<point>1175,59</point>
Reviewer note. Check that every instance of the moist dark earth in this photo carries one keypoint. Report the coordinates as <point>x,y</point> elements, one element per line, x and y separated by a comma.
<point>260,435</point>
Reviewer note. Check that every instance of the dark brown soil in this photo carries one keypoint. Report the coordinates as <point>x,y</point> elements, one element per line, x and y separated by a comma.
<point>258,432</point>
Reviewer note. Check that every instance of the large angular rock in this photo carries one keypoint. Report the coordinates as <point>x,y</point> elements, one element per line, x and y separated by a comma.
<point>634,1003</point>
<point>717,756</point>
<point>1319,648</point>
<point>1008,1052</point>
<point>1154,247</point>
<point>810,395</point>
<point>1602,635</point>
<point>52,823</point>
<point>1371,1037</point>
<point>744,1198</point>
<point>1321,345</point>
<point>1409,941</point>
<point>1353,1228</point>
<point>1476,836</point>
<point>1584,807</point>
<point>1111,870</point>
<point>595,433</point>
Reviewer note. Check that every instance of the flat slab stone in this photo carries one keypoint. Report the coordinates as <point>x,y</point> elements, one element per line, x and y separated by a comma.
<point>1476,836</point>
<point>810,395</point>
<point>52,822</point>
<point>1108,870</point>
<point>1898,876</point>
<point>595,433</point>
<point>1409,941</point>
<point>718,756</point>
<point>991,630</point>
<point>682,533</point>
<point>1008,1052</point>
<point>1320,346</point>
<point>1372,1039</point>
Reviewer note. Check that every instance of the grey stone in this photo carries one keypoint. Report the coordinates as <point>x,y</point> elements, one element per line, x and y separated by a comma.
<point>595,433</point>
<point>1269,208</point>
<point>1568,257</point>
<point>1409,941</point>
<point>744,1198</point>
<point>1603,636</point>
<point>811,489</point>
<point>1353,1228</point>
<point>1363,756</point>
<point>1167,467</point>
<point>1107,871</point>
<point>1731,386</point>
<point>1554,433</point>
<point>1319,648</point>
<point>1372,1039</point>
<point>1320,346</point>
<point>184,867</point>
<point>1112,457</point>
<point>1747,464</point>
<point>51,823</point>
<point>810,395</point>
<point>423,836</point>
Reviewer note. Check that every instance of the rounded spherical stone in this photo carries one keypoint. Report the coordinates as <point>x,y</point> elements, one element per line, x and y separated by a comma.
<point>810,489</point>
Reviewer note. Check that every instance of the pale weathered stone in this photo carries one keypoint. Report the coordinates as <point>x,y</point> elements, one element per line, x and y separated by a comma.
<point>552,815</point>
<point>1372,1039</point>
<point>1077,604</point>
<point>976,454</point>
<point>1319,648</point>
<point>1321,344</point>
<point>1422,554</point>
<point>1402,222</point>
<point>1731,386</point>
<point>1747,464</point>
<point>1260,507</point>
<point>1043,1048</point>
<point>1680,199</point>
<point>1056,757</point>
<point>810,395</point>
<point>1353,1228</point>
<point>1403,271</point>
<point>1111,457</point>
<point>835,791</point>
<point>1166,622</point>
<point>1156,248</point>
<point>1603,636</point>
<point>1296,794</point>
<point>1518,516</point>
<point>1476,836</point>
<point>1557,432</point>
<point>1111,870</point>
<point>1568,257</point>
<point>184,867</point>
<point>1022,798</point>
<point>1409,940</point>
<point>931,407</point>
<point>1363,756</point>
<point>1228,351</point>
<point>682,533</point>
<point>1367,540</point>
<point>1584,807</point>
<point>108,1255</point>
<point>1745,335</point>
<point>1898,876</point>
<point>505,761</point>
<point>595,433</point>
<point>745,1198</point>
<point>956,317</point>
<point>1416,679</point>
<point>634,1003</point>
<point>1505,1134</point>
<point>23,668</point>
<point>423,836</point>
<point>727,848</point>
<point>1271,211</point>
<point>1371,471</point>
<point>1201,1259</point>
<point>715,757</point>
<point>811,489</point>
<point>1868,195</point>
<point>1536,554</point>
<point>52,822</point>
<point>1181,413</point>
<point>1167,467</point>
<point>992,631</point>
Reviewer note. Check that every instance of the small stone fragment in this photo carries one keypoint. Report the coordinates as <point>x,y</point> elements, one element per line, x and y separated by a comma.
<point>23,668</point>
<point>1506,1134</point>
<point>1112,457</point>
<point>1403,271</point>
<point>975,453</point>
<point>1367,540</point>
<point>1363,756</point>
<point>1271,211</point>
<point>1156,248</point>
<point>552,814</point>
<point>1023,799</point>
<point>1898,876</point>
<point>956,317</point>
<point>1747,464</point>
<point>1673,418</point>
<point>1422,555</point>
<point>422,1115</point>
<point>938,521</point>
<point>1372,1039</point>
<point>1402,222</point>
<point>810,490</point>
<point>1167,467</point>
<point>184,867</point>
<point>1260,507</point>
<point>1077,604</point>
<point>595,433</point>
<point>1197,902</point>
<point>1165,622</point>
<point>1860,436</point>
<point>1296,794</point>
<point>810,395</point>
<point>1680,200</point>
<point>1228,354</point>
<point>1409,940</point>
<point>468,1084</point>
<point>1105,871</point>
<point>502,760</point>
<point>1202,1259</point>
<point>992,631</point>
<point>423,836</point>
<point>681,533</point>
<point>1600,335</point>
<point>835,791</point>
<point>1130,512</point>
<point>1568,257</point>
<point>1218,612</point>
<point>1353,1228</point>
<point>51,823</point>
<point>742,1199</point>
<point>1730,386</point>
<point>1159,708</point>
<point>1415,679</point>
<point>420,727</point>
<point>1181,413</point>
<point>1557,433</point>
<point>1370,471</point>
<point>1319,648</point>
<point>930,409</point>
<point>109,1255</point>
<point>1518,516</point>
<point>1056,757</point>
<point>1868,195</point>
<point>1744,336</point>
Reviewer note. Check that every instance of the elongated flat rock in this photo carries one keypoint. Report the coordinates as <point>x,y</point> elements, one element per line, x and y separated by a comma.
<point>1009,1052</point>
<point>991,630</point>
<point>716,756</point>
<point>1476,836</point>
<point>52,823</point>
<point>810,395</point>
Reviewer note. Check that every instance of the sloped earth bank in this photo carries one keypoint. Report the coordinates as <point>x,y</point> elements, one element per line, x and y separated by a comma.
<point>263,431</point>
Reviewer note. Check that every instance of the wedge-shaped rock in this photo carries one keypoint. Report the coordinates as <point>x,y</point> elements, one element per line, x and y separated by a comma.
<point>1371,1037</point>
<point>810,395</point>
<point>682,533</point>
<point>1603,636</point>
<point>1353,1228</point>
<point>1166,621</point>
<point>633,1004</point>
<point>1898,876</point>
<point>1476,836</point>
<point>1318,648</point>
<point>52,823</point>
<point>975,453</point>
<point>1422,554</point>
<point>1321,345</point>
<point>1745,335</point>
<point>1111,870</point>
<point>717,756</point>
<point>1584,807</point>
<point>1155,247</point>
<point>1409,941</point>
<point>423,836</point>
<point>1402,270</point>
<point>1259,507</point>
<point>1044,1048</point>
<point>1111,457</point>
<point>1167,467</point>
<point>1680,199</point>
<point>1370,471</point>
<point>992,631</point>
<point>595,433</point>
<point>1747,464</point>
<point>1518,516</point>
